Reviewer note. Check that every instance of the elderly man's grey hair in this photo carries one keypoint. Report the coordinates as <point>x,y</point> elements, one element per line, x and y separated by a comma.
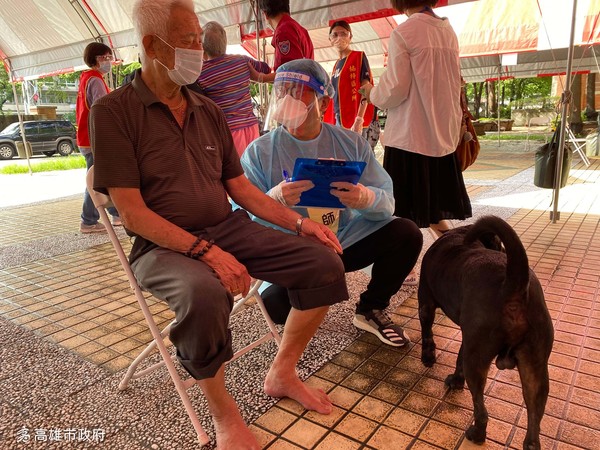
<point>214,39</point>
<point>151,17</point>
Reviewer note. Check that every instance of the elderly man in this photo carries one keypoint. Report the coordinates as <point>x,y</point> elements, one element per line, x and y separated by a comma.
<point>167,159</point>
<point>366,228</point>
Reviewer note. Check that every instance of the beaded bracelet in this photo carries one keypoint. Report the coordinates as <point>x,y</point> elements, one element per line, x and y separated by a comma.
<point>194,245</point>
<point>202,252</point>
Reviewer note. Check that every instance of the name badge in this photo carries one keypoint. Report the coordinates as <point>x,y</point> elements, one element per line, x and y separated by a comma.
<point>327,216</point>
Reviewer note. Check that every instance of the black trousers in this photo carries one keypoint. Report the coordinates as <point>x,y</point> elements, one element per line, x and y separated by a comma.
<point>393,250</point>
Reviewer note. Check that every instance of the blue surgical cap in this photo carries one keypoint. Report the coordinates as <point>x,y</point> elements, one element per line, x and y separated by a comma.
<point>307,72</point>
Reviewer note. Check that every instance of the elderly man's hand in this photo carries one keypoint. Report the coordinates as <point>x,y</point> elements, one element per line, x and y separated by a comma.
<point>233,274</point>
<point>288,192</point>
<point>351,195</point>
<point>320,233</point>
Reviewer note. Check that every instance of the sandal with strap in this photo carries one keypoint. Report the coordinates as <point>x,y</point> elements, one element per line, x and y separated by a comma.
<point>411,280</point>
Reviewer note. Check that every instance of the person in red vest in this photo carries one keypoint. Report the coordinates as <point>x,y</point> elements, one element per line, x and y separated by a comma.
<point>349,108</point>
<point>98,57</point>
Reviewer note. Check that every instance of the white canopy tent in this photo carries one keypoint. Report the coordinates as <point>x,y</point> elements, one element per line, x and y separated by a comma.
<point>506,38</point>
<point>46,37</point>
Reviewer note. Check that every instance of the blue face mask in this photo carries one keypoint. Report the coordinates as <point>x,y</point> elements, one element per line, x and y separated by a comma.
<point>104,67</point>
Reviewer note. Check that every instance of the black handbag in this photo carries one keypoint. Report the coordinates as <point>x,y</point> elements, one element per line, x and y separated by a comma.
<point>545,163</point>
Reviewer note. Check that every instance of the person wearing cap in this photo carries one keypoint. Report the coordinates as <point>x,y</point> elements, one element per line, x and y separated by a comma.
<point>348,108</point>
<point>290,39</point>
<point>166,157</point>
<point>367,230</point>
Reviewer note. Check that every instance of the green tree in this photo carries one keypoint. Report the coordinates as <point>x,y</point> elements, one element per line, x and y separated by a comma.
<point>56,84</point>
<point>520,93</point>
<point>6,90</point>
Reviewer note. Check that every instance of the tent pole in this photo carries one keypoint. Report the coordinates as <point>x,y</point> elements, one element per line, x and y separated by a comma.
<point>20,120</point>
<point>565,100</point>
<point>498,97</point>
<point>261,87</point>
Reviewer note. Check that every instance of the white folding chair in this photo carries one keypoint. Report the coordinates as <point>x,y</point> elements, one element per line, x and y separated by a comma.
<point>578,145</point>
<point>160,338</point>
<point>538,122</point>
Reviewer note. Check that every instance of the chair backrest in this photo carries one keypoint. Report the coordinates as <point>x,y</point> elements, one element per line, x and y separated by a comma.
<point>98,198</point>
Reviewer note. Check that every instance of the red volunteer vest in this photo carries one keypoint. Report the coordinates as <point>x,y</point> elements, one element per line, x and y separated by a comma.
<point>82,109</point>
<point>348,95</point>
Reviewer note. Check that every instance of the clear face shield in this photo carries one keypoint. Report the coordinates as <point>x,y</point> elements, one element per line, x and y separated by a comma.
<point>293,96</point>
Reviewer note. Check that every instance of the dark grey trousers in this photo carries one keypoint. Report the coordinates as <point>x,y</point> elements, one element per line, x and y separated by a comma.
<point>312,273</point>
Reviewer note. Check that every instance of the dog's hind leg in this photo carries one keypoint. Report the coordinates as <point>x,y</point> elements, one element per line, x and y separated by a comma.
<point>476,366</point>
<point>535,382</point>
<point>426,316</point>
<point>457,379</point>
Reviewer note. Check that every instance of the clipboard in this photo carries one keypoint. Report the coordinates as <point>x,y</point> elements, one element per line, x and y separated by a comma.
<point>323,172</point>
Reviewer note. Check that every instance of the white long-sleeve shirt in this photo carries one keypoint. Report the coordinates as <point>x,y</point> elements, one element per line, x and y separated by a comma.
<point>421,87</point>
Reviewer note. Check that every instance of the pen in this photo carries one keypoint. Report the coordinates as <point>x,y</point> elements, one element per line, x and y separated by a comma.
<point>286,175</point>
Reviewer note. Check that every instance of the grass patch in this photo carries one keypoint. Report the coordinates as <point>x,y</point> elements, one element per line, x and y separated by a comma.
<point>493,136</point>
<point>52,164</point>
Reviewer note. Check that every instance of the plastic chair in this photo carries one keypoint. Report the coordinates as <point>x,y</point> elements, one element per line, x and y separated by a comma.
<point>538,122</point>
<point>578,145</point>
<point>160,338</point>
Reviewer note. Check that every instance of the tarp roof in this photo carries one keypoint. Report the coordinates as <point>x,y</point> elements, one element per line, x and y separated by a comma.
<point>44,37</point>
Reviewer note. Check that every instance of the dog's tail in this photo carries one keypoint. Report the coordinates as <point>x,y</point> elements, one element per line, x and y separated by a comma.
<point>517,264</point>
<point>516,284</point>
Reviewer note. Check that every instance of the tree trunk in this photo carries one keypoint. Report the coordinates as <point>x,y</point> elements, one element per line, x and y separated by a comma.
<point>477,91</point>
<point>575,121</point>
<point>590,97</point>
<point>492,99</point>
<point>486,111</point>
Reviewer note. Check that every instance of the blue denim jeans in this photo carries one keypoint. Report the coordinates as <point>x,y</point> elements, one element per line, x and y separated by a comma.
<point>89,213</point>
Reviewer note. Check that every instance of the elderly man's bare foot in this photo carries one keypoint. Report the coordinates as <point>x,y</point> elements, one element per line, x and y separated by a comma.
<point>233,434</point>
<point>310,398</point>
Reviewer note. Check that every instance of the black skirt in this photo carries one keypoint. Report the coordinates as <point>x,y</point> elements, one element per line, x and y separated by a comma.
<point>427,189</point>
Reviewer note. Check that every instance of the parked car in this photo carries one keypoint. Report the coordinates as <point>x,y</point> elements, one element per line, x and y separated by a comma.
<point>46,136</point>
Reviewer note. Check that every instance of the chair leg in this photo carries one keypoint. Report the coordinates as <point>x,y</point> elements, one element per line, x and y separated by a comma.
<point>181,385</point>
<point>131,373</point>
<point>272,334</point>
<point>581,151</point>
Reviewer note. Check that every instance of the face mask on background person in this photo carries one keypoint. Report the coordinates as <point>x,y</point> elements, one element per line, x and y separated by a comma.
<point>290,112</point>
<point>340,39</point>
<point>104,66</point>
<point>187,67</point>
<point>341,42</point>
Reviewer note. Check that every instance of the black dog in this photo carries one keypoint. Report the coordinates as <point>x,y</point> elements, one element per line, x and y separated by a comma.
<point>499,305</point>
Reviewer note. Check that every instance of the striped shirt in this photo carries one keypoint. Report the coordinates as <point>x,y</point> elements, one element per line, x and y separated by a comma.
<point>225,80</point>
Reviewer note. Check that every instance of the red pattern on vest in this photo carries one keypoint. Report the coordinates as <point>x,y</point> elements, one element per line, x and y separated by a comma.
<point>348,86</point>
<point>82,109</point>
